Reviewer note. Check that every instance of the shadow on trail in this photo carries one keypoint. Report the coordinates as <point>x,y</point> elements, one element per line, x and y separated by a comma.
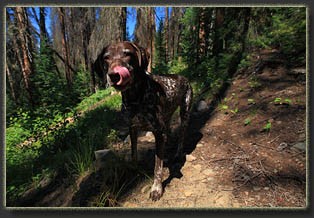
<point>193,136</point>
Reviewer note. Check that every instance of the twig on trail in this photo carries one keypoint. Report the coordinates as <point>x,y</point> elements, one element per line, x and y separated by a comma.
<point>254,143</point>
<point>247,180</point>
<point>231,158</point>
<point>265,172</point>
<point>258,161</point>
<point>263,169</point>
<point>274,139</point>
<point>242,149</point>
<point>227,189</point>
<point>297,154</point>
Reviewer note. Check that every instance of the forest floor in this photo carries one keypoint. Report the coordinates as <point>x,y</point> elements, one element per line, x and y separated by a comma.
<point>248,150</point>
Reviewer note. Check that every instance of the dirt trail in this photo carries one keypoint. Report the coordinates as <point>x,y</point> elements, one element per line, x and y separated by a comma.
<point>233,163</point>
<point>199,185</point>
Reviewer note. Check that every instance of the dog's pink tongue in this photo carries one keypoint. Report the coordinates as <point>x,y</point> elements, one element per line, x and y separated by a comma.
<point>124,74</point>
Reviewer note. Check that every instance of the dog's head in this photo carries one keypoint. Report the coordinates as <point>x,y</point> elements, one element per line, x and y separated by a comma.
<point>121,64</point>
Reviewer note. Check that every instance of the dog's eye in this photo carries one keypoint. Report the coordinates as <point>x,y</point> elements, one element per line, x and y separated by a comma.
<point>106,56</point>
<point>127,53</point>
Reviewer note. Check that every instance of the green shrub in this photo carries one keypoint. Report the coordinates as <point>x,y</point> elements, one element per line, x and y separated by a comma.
<point>179,67</point>
<point>245,62</point>
<point>81,157</point>
<point>15,135</point>
<point>267,127</point>
<point>93,99</point>
<point>247,121</point>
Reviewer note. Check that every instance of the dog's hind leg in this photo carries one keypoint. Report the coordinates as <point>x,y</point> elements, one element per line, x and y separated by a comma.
<point>133,137</point>
<point>168,129</point>
<point>185,109</point>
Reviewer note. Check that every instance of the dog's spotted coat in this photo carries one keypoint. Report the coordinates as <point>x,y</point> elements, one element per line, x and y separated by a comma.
<point>148,100</point>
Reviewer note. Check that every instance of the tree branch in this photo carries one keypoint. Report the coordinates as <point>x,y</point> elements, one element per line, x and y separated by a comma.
<point>61,58</point>
<point>35,15</point>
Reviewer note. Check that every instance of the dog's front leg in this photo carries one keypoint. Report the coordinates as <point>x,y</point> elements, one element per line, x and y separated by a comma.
<point>156,191</point>
<point>133,137</point>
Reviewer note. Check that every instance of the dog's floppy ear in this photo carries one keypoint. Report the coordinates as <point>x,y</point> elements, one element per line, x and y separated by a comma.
<point>145,58</point>
<point>142,55</point>
<point>100,67</point>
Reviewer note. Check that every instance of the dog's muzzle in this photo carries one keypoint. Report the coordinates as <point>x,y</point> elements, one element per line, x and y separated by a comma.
<point>119,76</point>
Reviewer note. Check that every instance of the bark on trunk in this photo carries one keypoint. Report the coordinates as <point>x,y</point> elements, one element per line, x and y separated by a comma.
<point>42,25</point>
<point>166,33</point>
<point>26,61</point>
<point>218,41</point>
<point>123,23</point>
<point>151,29</point>
<point>9,77</point>
<point>68,74</point>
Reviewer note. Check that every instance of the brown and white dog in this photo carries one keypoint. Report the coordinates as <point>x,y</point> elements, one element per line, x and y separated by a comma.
<point>149,100</point>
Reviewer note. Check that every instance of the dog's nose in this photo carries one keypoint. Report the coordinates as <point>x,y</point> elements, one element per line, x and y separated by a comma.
<point>114,77</point>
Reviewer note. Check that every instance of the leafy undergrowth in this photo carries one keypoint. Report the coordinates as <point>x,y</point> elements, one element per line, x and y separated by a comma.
<point>65,149</point>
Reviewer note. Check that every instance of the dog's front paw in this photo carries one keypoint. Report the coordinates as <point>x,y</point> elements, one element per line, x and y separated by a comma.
<point>156,192</point>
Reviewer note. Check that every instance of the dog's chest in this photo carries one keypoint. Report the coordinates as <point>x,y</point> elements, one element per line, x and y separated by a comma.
<point>142,122</point>
<point>143,118</point>
<point>146,113</point>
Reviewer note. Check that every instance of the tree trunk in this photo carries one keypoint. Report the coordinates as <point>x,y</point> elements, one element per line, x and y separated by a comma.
<point>16,47</point>
<point>89,23</point>
<point>65,63</point>
<point>218,41</point>
<point>88,62</point>
<point>68,74</point>
<point>208,27</point>
<point>71,42</point>
<point>247,18</point>
<point>123,22</point>
<point>151,30</point>
<point>141,32</point>
<point>197,32</point>
<point>178,30</point>
<point>238,56</point>
<point>41,22</point>
<point>42,26</point>
<point>26,61</point>
<point>174,26</point>
<point>9,77</point>
<point>201,36</point>
<point>166,33</point>
<point>172,33</point>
